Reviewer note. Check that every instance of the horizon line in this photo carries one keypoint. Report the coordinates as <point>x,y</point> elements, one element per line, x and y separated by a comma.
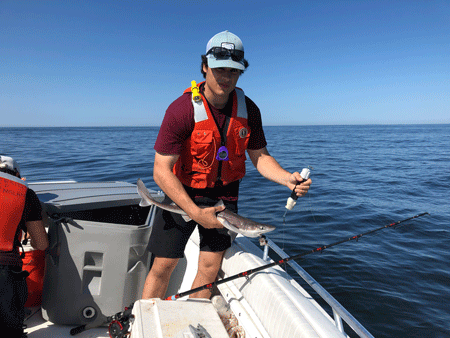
<point>266,125</point>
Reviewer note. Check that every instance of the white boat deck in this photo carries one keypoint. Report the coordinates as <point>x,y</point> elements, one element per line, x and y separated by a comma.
<point>37,327</point>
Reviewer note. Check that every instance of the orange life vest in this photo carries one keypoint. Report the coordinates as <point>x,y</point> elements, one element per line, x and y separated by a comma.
<point>13,193</point>
<point>198,166</point>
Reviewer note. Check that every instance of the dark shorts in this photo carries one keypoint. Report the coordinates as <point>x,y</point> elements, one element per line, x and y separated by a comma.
<point>171,233</point>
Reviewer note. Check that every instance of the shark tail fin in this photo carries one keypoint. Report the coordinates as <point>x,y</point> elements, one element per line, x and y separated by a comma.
<point>141,189</point>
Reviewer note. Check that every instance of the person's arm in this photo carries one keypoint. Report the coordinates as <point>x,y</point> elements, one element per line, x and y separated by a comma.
<point>272,170</point>
<point>37,234</point>
<point>33,218</point>
<point>172,187</point>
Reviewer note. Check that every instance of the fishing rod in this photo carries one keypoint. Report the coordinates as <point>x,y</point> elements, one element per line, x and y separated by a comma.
<point>287,259</point>
<point>120,322</point>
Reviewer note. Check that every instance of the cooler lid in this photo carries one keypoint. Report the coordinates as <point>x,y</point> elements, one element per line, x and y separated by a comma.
<point>70,196</point>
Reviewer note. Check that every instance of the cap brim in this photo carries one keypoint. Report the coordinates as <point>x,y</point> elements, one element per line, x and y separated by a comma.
<point>225,63</point>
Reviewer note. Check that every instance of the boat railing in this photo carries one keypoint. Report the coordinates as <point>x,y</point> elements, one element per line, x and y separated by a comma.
<point>339,312</point>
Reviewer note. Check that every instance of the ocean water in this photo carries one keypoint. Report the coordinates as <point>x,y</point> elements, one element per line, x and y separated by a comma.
<point>396,283</point>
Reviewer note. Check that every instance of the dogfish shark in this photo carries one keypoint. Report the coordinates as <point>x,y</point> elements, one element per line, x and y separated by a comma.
<point>229,219</point>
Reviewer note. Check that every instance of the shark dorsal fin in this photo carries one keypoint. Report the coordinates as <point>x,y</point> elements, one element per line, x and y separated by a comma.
<point>219,204</point>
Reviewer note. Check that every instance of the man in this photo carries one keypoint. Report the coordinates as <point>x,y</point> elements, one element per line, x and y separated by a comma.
<point>200,159</point>
<point>20,209</point>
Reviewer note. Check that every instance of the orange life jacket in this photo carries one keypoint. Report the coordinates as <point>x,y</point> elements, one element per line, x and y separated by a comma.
<point>198,166</point>
<point>13,193</point>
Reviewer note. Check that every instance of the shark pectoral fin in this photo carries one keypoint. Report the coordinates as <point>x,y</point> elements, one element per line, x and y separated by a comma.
<point>228,225</point>
<point>233,235</point>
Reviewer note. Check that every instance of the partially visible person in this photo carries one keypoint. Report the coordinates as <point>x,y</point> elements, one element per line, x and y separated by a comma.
<point>20,210</point>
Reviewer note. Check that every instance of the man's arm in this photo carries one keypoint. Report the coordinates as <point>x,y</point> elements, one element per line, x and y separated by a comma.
<point>38,235</point>
<point>172,187</point>
<point>272,170</point>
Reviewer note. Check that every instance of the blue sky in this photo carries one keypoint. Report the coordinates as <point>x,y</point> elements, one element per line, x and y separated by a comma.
<point>121,63</point>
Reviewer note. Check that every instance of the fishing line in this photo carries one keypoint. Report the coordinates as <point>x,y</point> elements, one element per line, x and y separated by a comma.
<point>310,208</point>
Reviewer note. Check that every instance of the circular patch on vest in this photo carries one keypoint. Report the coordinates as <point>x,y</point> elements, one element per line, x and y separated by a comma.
<point>243,132</point>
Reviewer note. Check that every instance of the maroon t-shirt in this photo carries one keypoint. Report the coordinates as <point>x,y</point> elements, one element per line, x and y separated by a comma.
<point>178,124</point>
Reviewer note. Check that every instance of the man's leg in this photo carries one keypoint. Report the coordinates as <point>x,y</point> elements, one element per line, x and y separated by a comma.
<point>168,239</point>
<point>158,278</point>
<point>208,267</point>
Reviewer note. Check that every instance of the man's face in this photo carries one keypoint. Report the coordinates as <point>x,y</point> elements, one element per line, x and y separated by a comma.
<point>221,81</point>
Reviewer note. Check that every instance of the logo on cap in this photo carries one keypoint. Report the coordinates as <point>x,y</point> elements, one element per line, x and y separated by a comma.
<point>228,45</point>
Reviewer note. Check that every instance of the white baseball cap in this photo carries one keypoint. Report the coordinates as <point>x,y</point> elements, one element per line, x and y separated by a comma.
<point>225,50</point>
<point>9,163</point>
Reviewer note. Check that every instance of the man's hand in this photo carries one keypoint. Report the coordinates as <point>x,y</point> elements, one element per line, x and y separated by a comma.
<point>207,217</point>
<point>301,186</point>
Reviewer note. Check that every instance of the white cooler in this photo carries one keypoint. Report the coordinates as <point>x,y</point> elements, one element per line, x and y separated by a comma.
<point>156,318</point>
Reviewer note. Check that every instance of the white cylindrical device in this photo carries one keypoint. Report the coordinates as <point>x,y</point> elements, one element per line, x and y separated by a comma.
<point>292,200</point>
